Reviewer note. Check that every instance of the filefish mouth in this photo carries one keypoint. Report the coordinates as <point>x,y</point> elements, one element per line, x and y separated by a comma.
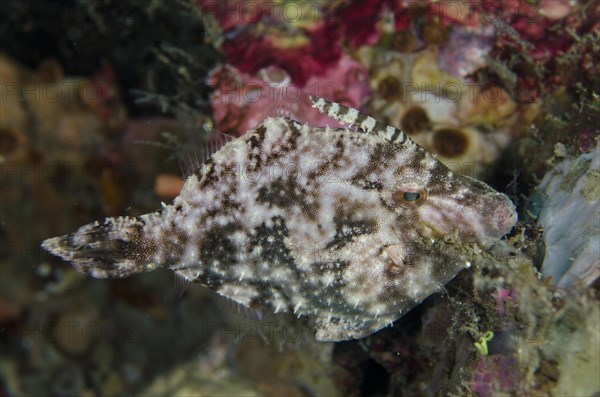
<point>505,217</point>
<point>497,210</point>
<point>500,221</point>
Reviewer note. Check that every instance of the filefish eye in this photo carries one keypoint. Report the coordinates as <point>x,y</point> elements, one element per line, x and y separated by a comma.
<point>409,194</point>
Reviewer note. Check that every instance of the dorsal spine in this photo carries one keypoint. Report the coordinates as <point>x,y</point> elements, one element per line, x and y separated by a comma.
<point>367,124</point>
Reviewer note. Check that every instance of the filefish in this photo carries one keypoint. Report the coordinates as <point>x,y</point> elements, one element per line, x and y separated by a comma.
<point>350,227</point>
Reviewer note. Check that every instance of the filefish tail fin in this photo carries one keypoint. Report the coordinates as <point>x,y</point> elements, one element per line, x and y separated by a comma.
<point>114,248</point>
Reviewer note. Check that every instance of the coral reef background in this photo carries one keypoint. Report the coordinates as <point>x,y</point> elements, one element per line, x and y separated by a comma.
<point>105,104</point>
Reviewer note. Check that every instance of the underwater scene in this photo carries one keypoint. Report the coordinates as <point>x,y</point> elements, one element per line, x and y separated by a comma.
<point>300,198</point>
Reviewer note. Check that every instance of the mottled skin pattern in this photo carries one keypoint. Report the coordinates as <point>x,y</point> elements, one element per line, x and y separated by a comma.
<point>310,221</point>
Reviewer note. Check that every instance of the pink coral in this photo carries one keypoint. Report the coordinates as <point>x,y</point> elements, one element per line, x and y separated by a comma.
<point>241,101</point>
<point>495,374</point>
<point>502,295</point>
<point>358,21</point>
<point>466,50</point>
<point>273,64</point>
<point>539,25</point>
<point>249,52</point>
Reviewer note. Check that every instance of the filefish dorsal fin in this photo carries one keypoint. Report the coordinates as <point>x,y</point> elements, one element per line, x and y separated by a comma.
<point>190,160</point>
<point>364,123</point>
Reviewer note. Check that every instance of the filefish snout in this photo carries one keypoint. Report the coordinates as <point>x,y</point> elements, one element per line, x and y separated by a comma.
<point>505,217</point>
